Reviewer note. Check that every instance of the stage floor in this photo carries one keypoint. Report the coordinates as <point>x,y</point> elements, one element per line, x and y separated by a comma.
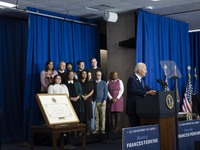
<point>115,144</point>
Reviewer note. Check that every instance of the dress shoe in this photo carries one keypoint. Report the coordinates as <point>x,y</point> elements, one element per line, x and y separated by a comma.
<point>69,146</point>
<point>103,132</point>
<point>95,132</point>
<point>88,133</point>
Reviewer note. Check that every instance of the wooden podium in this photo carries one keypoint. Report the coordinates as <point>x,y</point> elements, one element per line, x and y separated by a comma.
<point>159,109</point>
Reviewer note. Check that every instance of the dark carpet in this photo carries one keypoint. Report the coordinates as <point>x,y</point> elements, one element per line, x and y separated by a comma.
<point>111,145</point>
<point>93,142</point>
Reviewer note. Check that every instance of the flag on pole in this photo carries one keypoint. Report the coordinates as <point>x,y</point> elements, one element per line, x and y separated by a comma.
<point>187,98</point>
<point>186,106</point>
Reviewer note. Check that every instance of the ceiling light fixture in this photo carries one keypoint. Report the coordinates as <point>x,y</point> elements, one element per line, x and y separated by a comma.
<point>110,16</point>
<point>195,30</point>
<point>155,0</point>
<point>90,8</point>
<point>149,7</point>
<point>5,4</point>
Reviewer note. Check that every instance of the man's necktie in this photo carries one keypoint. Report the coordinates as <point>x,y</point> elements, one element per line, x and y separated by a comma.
<point>142,82</point>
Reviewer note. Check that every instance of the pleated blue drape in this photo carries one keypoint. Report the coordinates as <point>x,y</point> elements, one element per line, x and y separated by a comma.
<point>58,40</point>
<point>160,38</point>
<point>25,46</point>
<point>195,50</point>
<point>13,45</point>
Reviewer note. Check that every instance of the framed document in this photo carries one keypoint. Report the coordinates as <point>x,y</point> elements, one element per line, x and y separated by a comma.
<point>56,109</point>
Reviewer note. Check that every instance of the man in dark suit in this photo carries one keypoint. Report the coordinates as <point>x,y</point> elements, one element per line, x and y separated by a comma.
<point>136,89</point>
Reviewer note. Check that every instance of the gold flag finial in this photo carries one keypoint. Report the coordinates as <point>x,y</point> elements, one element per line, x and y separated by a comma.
<point>175,71</point>
<point>189,77</point>
<point>195,73</point>
<point>166,81</point>
<point>165,69</point>
<point>189,68</point>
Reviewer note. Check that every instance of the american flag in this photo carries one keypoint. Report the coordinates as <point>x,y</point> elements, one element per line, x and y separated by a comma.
<point>187,99</point>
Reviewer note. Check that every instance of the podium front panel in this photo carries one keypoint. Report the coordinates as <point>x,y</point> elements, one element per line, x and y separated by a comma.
<point>160,105</point>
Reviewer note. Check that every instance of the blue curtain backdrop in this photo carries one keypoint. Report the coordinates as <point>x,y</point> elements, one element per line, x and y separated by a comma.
<point>13,44</point>
<point>58,40</point>
<point>195,50</point>
<point>160,38</point>
<point>21,67</point>
<point>21,63</point>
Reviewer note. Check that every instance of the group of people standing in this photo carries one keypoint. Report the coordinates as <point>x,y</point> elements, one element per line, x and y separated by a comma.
<point>88,92</point>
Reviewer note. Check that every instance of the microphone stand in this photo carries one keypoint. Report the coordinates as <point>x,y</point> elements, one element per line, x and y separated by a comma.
<point>176,119</point>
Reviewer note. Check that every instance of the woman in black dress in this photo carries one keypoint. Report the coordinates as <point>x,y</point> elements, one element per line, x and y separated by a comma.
<point>75,92</point>
<point>88,90</point>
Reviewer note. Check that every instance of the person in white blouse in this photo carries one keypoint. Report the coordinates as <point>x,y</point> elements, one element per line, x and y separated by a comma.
<point>116,100</point>
<point>57,88</point>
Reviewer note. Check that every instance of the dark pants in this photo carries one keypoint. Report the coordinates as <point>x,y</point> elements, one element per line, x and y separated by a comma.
<point>133,120</point>
<point>115,118</point>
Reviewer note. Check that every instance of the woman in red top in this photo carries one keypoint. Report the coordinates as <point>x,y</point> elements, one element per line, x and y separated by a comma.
<point>115,91</point>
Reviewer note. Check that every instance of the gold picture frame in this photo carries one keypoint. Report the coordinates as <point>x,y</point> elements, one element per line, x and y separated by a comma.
<point>56,109</point>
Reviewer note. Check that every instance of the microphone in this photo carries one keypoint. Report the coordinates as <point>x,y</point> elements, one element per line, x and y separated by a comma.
<point>161,82</point>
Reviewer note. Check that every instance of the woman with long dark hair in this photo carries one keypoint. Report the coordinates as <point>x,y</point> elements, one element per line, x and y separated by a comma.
<point>88,91</point>
<point>47,75</point>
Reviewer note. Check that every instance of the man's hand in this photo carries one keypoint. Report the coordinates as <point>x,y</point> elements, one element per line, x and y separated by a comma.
<point>103,103</point>
<point>151,92</point>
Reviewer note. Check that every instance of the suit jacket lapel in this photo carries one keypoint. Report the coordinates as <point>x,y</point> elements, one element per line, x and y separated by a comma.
<point>137,80</point>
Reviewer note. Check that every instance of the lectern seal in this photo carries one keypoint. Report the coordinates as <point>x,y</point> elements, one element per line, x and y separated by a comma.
<point>169,101</point>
